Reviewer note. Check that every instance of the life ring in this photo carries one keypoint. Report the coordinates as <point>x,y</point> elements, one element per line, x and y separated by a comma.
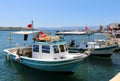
<point>40,36</point>
<point>43,35</point>
<point>81,50</point>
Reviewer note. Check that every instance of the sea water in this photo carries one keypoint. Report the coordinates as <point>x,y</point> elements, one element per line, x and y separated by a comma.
<point>94,68</point>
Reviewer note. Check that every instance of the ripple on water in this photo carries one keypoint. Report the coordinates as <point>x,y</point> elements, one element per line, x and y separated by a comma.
<point>7,70</point>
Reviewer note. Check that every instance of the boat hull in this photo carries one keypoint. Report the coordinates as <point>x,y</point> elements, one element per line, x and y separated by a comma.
<point>56,66</point>
<point>105,51</point>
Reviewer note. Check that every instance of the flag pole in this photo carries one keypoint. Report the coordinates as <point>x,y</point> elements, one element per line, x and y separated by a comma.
<point>32,28</point>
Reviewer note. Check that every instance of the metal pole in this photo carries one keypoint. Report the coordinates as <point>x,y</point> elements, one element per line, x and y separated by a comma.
<point>32,28</point>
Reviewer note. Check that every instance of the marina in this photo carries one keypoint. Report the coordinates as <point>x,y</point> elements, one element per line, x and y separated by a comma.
<point>59,40</point>
<point>91,69</point>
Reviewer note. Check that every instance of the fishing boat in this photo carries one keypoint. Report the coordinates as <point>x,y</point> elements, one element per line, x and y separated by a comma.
<point>101,47</point>
<point>71,33</point>
<point>47,53</point>
<point>74,33</point>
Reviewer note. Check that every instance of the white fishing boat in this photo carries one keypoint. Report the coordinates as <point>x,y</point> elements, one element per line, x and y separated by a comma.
<point>73,33</point>
<point>101,47</point>
<point>47,53</point>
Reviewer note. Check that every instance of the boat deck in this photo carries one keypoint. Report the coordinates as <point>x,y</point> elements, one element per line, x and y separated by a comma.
<point>24,52</point>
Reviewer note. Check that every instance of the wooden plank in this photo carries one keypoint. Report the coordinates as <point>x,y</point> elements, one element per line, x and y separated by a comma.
<point>116,78</point>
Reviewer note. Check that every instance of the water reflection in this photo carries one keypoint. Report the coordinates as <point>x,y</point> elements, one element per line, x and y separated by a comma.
<point>29,74</point>
<point>92,69</point>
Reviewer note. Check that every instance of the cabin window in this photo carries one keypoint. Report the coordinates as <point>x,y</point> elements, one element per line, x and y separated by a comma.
<point>35,48</point>
<point>66,47</point>
<point>55,48</point>
<point>62,48</point>
<point>45,49</point>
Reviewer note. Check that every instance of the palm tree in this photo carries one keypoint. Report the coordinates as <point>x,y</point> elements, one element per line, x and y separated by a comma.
<point>101,28</point>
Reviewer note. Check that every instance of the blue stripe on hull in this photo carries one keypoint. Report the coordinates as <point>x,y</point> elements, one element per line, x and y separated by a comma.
<point>71,67</point>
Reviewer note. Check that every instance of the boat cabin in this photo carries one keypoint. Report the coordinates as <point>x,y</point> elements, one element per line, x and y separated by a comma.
<point>43,47</point>
<point>49,50</point>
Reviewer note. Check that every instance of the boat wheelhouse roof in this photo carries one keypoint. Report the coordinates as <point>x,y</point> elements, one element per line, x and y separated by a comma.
<point>24,32</point>
<point>92,43</point>
<point>50,43</point>
<point>72,33</point>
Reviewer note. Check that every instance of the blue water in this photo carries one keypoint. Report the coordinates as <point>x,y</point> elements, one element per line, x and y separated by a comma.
<point>92,69</point>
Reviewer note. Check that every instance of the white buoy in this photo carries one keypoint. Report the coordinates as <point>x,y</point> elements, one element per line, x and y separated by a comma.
<point>8,56</point>
<point>17,58</point>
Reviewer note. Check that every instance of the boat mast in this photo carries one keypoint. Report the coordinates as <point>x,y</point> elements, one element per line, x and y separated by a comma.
<point>32,28</point>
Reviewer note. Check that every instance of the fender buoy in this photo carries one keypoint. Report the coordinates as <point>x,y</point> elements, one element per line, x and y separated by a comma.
<point>8,56</point>
<point>81,50</point>
<point>17,58</point>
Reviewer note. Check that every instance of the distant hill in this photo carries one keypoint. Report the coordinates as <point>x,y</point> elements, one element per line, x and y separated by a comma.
<point>53,28</point>
<point>14,28</point>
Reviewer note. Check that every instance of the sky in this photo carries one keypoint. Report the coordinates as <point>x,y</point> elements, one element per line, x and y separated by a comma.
<point>59,13</point>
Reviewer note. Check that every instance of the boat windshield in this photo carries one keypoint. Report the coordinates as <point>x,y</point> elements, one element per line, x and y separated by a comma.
<point>66,48</point>
<point>45,49</point>
<point>35,48</point>
<point>55,48</point>
<point>62,49</point>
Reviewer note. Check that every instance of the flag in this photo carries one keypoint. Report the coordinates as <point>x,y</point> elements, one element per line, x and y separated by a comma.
<point>29,25</point>
<point>109,28</point>
<point>86,28</point>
